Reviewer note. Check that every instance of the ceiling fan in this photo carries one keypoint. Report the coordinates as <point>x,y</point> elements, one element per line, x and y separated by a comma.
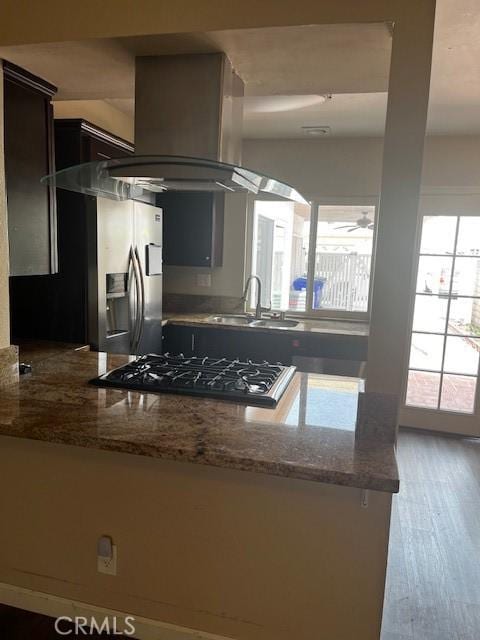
<point>362,223</point>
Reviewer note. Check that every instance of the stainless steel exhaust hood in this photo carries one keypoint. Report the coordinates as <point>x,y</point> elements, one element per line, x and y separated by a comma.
<point>188,109</point>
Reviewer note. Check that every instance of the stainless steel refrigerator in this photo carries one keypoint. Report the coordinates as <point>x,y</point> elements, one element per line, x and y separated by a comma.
<point>125,278</point>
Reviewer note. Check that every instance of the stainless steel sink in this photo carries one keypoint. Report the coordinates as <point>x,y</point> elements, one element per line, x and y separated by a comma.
<point>273,323</point>
<point>243,320</point>
<point>230,319</point>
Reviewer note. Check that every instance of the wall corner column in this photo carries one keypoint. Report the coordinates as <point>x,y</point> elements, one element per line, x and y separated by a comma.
<point>8,353</point>
<point>400,189</point>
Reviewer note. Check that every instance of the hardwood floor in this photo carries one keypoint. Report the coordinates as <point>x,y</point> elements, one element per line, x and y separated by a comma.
<point>433,577</point>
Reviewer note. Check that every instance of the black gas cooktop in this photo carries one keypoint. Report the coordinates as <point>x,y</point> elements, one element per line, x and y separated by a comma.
<point>250,382</point>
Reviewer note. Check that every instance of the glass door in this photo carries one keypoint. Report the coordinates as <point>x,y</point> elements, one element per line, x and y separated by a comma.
<point>442,390</point>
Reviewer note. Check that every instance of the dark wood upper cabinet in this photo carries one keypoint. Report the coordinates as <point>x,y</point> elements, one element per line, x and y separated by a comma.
<point>63,297</point>
<point>192,228</point>
<point>77,141</point>
<point>29,155</point>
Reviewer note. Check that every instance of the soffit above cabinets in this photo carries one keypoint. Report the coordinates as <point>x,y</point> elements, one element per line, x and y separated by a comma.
<point>272,61</point>
<point>308,60</point>
<point>349,61</point>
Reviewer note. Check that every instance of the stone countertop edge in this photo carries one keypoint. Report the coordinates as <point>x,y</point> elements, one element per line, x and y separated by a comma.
<point>357,480</point>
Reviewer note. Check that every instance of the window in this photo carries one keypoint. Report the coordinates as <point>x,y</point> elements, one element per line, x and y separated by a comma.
<point>280,252</point>
<point>313,259</point>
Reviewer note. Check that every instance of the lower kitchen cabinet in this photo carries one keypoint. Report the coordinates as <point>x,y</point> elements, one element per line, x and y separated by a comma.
<point>221,343</point>
<point>258,346</point>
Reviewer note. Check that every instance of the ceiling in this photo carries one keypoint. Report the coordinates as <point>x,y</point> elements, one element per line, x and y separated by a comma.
<point>285,70</point>
<point>346,114</point>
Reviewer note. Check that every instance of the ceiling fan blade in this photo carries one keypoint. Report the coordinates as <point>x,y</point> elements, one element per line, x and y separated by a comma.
<point>347,226</point>
<point>371,226</point>
<point>353,229</point>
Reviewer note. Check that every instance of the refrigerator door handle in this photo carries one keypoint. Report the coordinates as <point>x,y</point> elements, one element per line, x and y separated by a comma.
<point>141,280</point>
<point>133,281</point>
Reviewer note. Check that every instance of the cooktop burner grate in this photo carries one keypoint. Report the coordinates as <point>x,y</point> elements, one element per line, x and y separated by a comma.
<point>250,382</point>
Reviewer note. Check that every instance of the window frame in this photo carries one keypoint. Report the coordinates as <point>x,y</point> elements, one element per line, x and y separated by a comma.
<point>315,203</point>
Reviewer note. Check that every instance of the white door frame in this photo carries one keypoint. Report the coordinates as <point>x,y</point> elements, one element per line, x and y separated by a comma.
<point>441,202</point>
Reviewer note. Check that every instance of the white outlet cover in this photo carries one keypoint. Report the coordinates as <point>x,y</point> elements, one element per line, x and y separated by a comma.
<point>108,565</point>
<point>204,280</point>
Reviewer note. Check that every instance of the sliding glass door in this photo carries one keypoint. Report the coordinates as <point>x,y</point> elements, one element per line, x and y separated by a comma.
<point>442,390</point>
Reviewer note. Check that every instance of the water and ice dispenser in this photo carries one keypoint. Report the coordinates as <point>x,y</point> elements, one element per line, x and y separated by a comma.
<point>117,304</point>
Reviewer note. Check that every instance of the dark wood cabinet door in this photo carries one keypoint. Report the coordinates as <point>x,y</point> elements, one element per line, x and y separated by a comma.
<point>192,228</point>
<point>29,155</point>
<point>262,346</point>
<point>176,340</point>
<point>63,297</point>
<point>336,347</point>
<point>77,141</point>
<point>227,343</point>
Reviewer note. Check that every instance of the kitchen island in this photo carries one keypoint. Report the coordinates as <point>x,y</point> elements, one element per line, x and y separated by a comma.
<point>239,521</point>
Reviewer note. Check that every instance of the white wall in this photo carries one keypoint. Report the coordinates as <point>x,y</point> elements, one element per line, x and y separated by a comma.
<point>198,546</point>
<point>4,315</point>
<point>451,161</point>
<point>353,166</point>
<point>333,167</point>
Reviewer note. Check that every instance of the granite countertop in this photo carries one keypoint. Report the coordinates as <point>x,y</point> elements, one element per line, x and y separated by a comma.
<point>328,327</point>
<point>309,435</point>
<point>32,351</point>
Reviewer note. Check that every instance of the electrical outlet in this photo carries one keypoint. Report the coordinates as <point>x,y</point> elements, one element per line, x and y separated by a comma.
<point>106,556</point>
<point>108,565</point>
<point>204,280</point>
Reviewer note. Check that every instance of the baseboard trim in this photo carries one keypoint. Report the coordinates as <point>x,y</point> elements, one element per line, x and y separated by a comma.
<point>437,432</point>
<point>55,606</point>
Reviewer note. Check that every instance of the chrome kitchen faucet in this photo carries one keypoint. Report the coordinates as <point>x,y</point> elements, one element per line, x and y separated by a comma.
<point>258,306</point>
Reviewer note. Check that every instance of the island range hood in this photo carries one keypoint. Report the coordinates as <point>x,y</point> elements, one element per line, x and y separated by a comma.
<point>188,136</point>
